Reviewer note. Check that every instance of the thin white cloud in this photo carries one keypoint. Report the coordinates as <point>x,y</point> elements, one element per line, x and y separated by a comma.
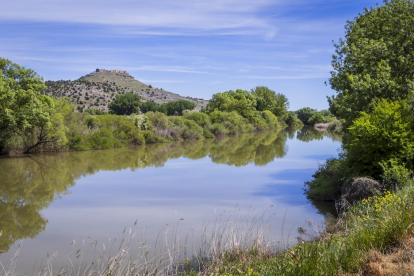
<point>316,76</point>
<point>187,14</point>
<point>166,69</point>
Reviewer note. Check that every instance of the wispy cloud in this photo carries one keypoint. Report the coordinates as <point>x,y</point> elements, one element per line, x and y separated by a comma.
<point>316,76</point>
<point>166,68</point>
<point>183,14</point>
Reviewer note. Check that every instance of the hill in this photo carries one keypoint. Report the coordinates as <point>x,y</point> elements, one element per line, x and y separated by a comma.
<point>99,88</point>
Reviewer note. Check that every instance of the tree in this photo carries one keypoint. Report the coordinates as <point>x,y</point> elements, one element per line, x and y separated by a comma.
<point>304,114</point>
<point>240,100</point>
<point>125,104</point>
<point>148,106</point>
<point>176,108</point>
<point>26,116</point>
<point>379,136</point>
<point>268,100</point>
<point>374,60</point>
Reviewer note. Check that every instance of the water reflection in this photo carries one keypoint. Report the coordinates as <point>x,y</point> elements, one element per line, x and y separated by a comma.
<point>308,134</point>
<point>30,185</point>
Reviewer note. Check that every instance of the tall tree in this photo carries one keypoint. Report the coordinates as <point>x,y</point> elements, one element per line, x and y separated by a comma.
<point>240,100</point>
<point>125,104</point>
<point>374,60</point>
<point>268,99</point>
<point>25,113</point>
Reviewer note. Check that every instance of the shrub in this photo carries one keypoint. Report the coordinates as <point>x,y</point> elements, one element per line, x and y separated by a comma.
<point>381,135</point>
<point>327,180</point>
<point>232,121</point>
<point>394,174</point>
<point>201,119</point>
<point>218,129</point>
<point>359,188</point>
<point>141,121</point>
<point>186,129</point>
<point>271,119</point>
<point>293,121</point>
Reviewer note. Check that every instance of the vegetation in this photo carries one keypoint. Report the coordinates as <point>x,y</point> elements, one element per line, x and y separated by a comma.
<point>96,90</point>
<point>373,76</point>
<point>30,121</point>
<point>311,117</point>
<point>374,61</point>
<point>125,104</point>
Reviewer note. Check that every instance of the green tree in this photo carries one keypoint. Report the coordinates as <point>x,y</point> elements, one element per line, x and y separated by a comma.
<point>125,104</point>
<point>304,114</point>
<point>374,60</point>
<point>27,118</point>
<point>268,100</point>
<point>240,101</point>
<point>149,106</point>
<point>379,136</point>
<point>176,108</point>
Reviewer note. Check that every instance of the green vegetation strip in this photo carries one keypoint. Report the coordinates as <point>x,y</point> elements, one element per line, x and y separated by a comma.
<point>374,223</point>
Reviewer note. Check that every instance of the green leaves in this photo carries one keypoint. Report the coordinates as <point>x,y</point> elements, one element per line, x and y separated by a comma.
<point>379,136</point>
<point>125,104</point>
<point>375,60</point>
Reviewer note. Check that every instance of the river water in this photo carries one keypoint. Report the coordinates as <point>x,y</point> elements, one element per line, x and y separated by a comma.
<point>48,201</point>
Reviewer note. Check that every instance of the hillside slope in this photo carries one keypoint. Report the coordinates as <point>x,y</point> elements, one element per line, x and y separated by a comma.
<point>99,88</point>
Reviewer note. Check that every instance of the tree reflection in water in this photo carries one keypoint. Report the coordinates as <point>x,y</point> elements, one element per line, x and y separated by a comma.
<point>29,185</point>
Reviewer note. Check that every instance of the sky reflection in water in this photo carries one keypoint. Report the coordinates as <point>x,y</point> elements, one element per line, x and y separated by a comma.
<point>56,198</point>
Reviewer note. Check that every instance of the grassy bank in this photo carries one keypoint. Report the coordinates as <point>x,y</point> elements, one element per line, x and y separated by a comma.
<point>377,223</point>
<point>241,245</point>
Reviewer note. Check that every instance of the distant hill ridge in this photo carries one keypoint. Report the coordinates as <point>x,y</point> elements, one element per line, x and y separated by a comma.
<point>99,88</point>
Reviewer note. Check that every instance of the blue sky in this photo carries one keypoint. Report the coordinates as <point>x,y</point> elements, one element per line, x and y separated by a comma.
<point>190,47</point>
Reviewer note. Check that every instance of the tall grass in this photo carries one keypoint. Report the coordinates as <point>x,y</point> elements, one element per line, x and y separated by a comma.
<point>243,244</point>
<point>376,223</point>
<point>216,243</point>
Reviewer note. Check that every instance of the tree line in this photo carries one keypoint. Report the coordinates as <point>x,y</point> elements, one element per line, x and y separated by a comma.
<point>32,122</point>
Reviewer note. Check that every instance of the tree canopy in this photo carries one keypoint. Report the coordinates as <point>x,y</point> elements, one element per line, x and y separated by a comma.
<point>125,104</point>
<point>267,99</point>
<point>25,114</point>
<point>374,60</point>
<point>176,108</point>
<point>241,101</point>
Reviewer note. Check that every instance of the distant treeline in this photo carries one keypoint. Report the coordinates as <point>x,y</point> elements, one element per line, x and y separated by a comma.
<point>31,122</point>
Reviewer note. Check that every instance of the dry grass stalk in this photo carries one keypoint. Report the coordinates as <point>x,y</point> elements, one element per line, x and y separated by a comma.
<point>238,237</point>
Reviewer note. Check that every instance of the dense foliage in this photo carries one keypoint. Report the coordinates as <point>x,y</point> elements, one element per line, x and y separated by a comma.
<point>125,104</point>
<point>374,79</point>
<point>310,116</point>
<point>26,117</point>
<point>374,60</point>
<point>31,122</point>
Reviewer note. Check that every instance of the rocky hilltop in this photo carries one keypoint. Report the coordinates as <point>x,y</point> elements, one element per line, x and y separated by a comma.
<point>97,89</point>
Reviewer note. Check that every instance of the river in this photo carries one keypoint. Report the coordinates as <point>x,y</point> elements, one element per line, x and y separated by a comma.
<point>49,201</point>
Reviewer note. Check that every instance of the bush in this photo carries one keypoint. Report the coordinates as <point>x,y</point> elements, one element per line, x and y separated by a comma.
<point>293,121</point>
<point>141,121</point>
<point>201,119</point>
<point>327,180</point>
<point>185,129</point>
<point>381,135</point>
<point>271,119</point>
<point>232,121</point>
<point>335,126</point>
<point>394,174</point>
<point>304,114</point>
<point>218,129</point>
<point>125,104</point>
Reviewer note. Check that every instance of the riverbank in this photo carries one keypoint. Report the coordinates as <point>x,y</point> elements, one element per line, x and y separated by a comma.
<point>367,230</point>
<point>359,244</point>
